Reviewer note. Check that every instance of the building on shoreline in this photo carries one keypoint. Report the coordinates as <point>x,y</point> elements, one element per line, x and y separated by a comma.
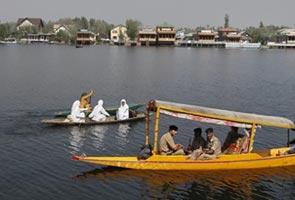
<point>61,27</point>
<point>147,37</point>
<point>119,35</point>
<point>285,39</point>
<point>165,35</point>
<point>39,38</point>
<point>206,36</point>
<point>30,22</point>
<point>85,37</point>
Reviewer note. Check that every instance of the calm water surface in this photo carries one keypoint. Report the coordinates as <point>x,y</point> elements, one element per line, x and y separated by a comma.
<point>37,80</point>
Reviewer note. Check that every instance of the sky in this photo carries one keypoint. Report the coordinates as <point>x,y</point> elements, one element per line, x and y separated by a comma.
<point>185,13</point>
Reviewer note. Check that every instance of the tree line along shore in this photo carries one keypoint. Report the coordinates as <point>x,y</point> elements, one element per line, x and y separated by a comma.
<point>71,26</point>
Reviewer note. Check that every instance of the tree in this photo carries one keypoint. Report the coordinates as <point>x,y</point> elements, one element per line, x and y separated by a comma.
<point>92,25</point>
<point>84,23</point>
<point>261,24</point>
<point>263,34</point>
<point>48,27</point>
<point>226,21</point>
<point>6,30</point>
<point>132,28</point>
<point>62,36</point>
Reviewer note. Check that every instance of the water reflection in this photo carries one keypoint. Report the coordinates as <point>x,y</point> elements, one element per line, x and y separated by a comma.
<point>212,185</point>
<point>122,134</point>
<point>99,133</point>
<point>77,139</point>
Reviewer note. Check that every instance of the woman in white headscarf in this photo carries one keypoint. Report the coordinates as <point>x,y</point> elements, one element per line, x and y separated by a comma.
<point>77,114</point>
<point>99,113</point>
<point>123,111</point>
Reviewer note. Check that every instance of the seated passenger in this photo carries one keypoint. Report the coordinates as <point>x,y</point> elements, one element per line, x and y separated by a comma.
<point>77,113</point>
<point>198,141</point>
<point>123,111</point>
<point>234,148</point>
<point>231,138</point>
<point>212,148</point>
<point>245,141</point>
<point>292,149</point>
<point>84,103</point>
<point>167,145</point>
<point>99,113</point>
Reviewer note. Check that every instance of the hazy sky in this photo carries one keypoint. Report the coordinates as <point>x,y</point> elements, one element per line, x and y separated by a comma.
<point>186,13</point>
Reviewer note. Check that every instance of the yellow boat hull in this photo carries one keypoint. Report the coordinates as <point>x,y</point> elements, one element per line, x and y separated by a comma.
<point>255,160</point>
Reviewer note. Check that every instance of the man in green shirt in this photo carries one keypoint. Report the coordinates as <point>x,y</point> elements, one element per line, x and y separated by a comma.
<point>167,144</point>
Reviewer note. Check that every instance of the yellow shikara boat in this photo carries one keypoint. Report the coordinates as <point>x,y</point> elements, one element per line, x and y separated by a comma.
<point>267,158</point>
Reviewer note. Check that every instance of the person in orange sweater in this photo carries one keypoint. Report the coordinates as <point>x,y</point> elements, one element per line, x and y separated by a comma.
<point>84,102</point>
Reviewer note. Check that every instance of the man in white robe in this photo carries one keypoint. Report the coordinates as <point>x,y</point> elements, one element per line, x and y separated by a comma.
<point>123,111</point>
<point>99,113</point>
<point>77,113</point>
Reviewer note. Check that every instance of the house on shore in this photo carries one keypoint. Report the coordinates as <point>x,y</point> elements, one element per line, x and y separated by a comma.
<point>165,35</point>
<point>236,39</point>
<point>228,34</point>
<point>39,38</point>
<point>206,36</point>
<point>286,36</point>
<point>147,37</point>
<point>285,39</point>
<point>61,27</point>
<point>30,22</point>
<point>85,37</point>
<point>119,35</point>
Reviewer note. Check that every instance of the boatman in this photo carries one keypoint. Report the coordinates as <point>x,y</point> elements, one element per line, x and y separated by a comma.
<point>84,103</point>
<point>167,145</point>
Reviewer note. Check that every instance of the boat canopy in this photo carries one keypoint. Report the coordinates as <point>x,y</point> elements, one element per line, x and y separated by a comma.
<point>222,117</point>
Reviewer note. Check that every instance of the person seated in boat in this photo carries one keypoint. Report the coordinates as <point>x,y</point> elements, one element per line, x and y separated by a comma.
<point>231,138</point>
<point>241,145</point>
<point>211,150</point>
<point>198,141</point>
<point>99,113</point>
<point>245,141</point>
<point>84,102</point>
<point>234,148</point>
<point>167,144</point>
<point>77,113</point>
<point>123,111</point>
<point>292,149</point>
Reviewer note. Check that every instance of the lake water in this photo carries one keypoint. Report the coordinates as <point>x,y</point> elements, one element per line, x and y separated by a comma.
<point>37,80</point>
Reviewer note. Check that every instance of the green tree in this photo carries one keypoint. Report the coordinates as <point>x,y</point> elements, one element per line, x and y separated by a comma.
<point>92,25</point>
<point>84,23</point>
<point>62,36</point>
<point>226,21</point>
<point>263,34</point>
<point>24,31</point>
<point>6,29</point>
<point>261,24</point>
<point>132,28</point>
<point>48,27</point>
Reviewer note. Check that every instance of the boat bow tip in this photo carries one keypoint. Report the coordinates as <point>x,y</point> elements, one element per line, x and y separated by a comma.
<point>74,157</point>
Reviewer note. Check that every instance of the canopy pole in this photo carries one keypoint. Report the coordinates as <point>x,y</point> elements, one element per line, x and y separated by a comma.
<point>156,131</point>
<point>147,126</point>
<point>288,143</point>
<point>252,134</point>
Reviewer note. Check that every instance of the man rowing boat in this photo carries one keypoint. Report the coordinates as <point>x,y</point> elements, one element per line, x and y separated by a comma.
<point>84,102</point>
